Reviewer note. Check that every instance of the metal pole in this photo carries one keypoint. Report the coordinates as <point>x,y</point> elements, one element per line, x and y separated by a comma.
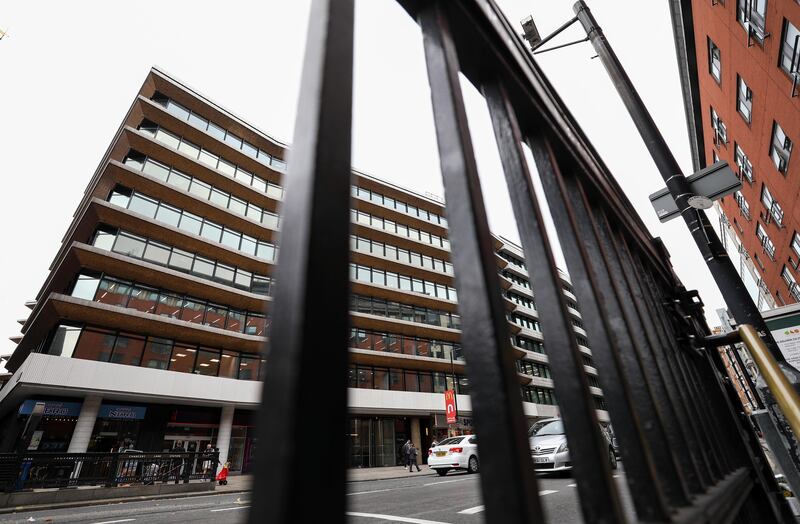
<point>719,264</point>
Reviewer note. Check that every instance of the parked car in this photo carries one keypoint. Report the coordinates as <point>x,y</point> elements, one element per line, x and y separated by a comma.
<point>549,448</point>
<point>454,453</point>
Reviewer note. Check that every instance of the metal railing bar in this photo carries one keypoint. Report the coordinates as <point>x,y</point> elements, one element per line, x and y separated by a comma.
<point>641,470</point>
<point>721,504</point>
<point>566,362</point>
<point>507,479</point>
<point>310,318</point>
<point>649,352</point>
<point>653,317</point>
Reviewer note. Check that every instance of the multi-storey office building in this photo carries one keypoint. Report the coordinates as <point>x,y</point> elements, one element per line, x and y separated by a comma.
<point>740,62</point>
<point>149,331</point>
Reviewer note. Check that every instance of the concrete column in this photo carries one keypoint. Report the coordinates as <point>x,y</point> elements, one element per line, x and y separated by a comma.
<point>224,434</point>
<point>79,442</point>
<point>416,438</point>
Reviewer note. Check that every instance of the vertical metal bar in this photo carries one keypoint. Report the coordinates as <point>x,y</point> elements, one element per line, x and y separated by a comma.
<point>507,478</point>
<point>621,393</point>
<point>597,491</point>
<point>305,386</point>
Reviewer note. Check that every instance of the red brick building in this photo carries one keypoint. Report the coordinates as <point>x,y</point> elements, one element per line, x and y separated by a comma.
<point>739,63</point>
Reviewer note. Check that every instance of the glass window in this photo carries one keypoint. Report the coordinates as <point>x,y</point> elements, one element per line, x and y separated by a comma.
<point>411,381</point>
<point>249,149</point>
<point>179,180</point>
<point>789,47</point>
<point>238,206</point>
<point>796,244</point>
<point>244,176</point>
<point>113,292</point>
<point>203,267</point>
<point>275,192</point>
<point>189,149</point>
<point>190,223</point>
<point>243,278</point>
<point>134,161</point>
<point>248,367</point>
<point>193,311</point>
<point>265,251</point>
<point>95,344</point>
<point>216,131</point>
<point>143,205</point>
<point>167,138</point>
<point>211,231</point>
<point>220,197</point>
<point>178,110</point>
<point>364,377</point>
<point>224,273</point>
<point>198,121</point>
<point>248,245</point>
<point>236,321</point>
<point>781,148</point>
<point>182,358</point>
<point>157,353</point>
<point>181,260</point>
<point>744,164</point>
<point>773,208</point>
<point>215,316</point>
<point>85,287</point>
<point>381,378</point>
<point>744,99</point>
<point>168,214</point>
<point>254,212</point>
<point>226,167</point>
<point>259,183</point>
<point>714,61</point>
<point>120,197</point>
<point>128,349</point>
<point>790,282</point>
<point>169,305</point>
<point>233,140</point>
<point>157,253</point>
<point>425,382</point>
<point>256,325</point>
<point>156,170</point>
<point>232,239</point>
<point>207,362</point>
<point>229,365</point>
<point>64,340</point>
<point>208,159</point>
<point>769,247</point>
<point>720,130</point>
<point>143,299</point>
<point>752,15</point>
<point>104,240</point>
<point>201,189</point>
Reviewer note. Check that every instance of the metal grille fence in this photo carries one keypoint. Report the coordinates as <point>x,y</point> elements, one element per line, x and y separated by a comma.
<point>688,454</point>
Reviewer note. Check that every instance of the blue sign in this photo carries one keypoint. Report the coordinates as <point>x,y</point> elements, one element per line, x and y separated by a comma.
<point>116,412</point>
<point>52,408</point>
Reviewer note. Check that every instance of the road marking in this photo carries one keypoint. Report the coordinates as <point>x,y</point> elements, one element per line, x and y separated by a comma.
<point>447,481</point>
<point>228,509</point>
<point>548,491</point>
<point>114,521</point>
<point>472,511</point>
<point>572,485</point>
<point>615,476</point>
<point>409,520</point>
<point>373,491</point>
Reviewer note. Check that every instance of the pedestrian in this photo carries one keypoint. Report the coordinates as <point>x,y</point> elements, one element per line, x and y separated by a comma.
<point>412,458</point>
<point>404,451</point>
<point>209,464</point>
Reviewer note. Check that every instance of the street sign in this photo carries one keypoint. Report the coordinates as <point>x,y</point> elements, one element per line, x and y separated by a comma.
<point>450,406</point>
<point>709,184</point>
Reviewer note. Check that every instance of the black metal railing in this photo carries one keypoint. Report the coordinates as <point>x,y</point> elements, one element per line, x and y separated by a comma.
<point>689,454</point>
<point>60,470</point>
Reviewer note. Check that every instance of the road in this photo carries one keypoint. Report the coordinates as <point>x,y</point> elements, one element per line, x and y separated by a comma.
<point>422,499</point>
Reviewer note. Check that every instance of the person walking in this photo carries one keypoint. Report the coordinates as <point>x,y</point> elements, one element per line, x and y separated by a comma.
<point>210,462</point>
<point>404,451</point>
<point>412,458</point>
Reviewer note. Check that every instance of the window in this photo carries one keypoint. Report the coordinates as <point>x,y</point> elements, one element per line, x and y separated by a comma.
<point>85,287</point>
<point>182,359</point>
<point>64,340</point>
<point>790,48</point>
<point>769,247</point>
<point>129,245</point>
<point>95,344</point>
<point>796,244</point>
<point>207,362</point>
<point>229,365</point>
<point>744,207</point>
<point>720,130</point>
<point>781,148</point>
<point>744,164</point>
<point>714,61</point>
<point>113,292</point>
<point>773,208</point>
<point>752,15</point>
<point>157,353</point>
<point>791,283</point>
<point>128,349</point>
<point>744,99</point>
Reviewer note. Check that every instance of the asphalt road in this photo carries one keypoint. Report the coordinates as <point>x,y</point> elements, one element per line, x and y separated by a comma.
<point>418,499</point>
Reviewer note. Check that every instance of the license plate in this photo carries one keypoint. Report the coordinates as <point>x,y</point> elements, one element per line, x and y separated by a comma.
<point>539,460</point>
<point>441,453</point>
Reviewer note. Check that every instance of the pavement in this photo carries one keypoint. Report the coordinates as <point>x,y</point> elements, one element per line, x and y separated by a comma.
<point>419,498</point>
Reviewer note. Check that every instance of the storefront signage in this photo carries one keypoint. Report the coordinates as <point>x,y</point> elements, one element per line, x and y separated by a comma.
<point>52,408</point>
<point>116,412</point>
<point>450,406</point>
<point>786,331</point>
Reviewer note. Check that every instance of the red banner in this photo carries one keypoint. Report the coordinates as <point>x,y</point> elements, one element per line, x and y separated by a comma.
<point>450,406</point>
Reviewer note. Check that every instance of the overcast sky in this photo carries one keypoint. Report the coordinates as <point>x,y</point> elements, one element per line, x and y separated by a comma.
<point>70,73</point>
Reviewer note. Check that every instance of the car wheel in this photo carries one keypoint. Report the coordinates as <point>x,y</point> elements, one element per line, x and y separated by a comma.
<point>612,458</point>
<point>472,466</point>
<point>442,471</point>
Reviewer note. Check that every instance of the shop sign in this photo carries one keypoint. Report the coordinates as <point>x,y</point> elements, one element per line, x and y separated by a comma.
<point>450,406</point>
<point>36,439</point>
<point>116,412</point>
<point>52,408</point>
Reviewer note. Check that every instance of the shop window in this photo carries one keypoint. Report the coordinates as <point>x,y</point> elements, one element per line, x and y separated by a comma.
<point>95,344</point>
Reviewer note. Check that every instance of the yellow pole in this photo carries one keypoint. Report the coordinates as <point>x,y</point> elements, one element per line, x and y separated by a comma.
<point>779,385</point>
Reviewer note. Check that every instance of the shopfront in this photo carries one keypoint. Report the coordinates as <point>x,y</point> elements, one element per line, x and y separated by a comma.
<point>377,441</point>
<point>55,428</point>
<point>117,428</point>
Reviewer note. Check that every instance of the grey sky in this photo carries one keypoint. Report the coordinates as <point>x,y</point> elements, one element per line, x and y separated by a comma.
<point>69,75</point>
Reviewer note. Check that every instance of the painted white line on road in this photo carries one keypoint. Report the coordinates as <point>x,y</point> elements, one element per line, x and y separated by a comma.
<point>447,481</point>
<point>229,509</point>
<point>113,521</point>
<point>373,491</point>
<point>548,491</point>
<point>572,485</point>
<point>392,518</point>
<point>472,511</point>
<point>615,476</point>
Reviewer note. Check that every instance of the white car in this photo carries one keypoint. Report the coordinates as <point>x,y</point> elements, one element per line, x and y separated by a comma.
<point>549,449</point>
<point>454,453</point>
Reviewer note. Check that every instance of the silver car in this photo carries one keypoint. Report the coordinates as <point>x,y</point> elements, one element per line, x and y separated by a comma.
<point>549,449</point>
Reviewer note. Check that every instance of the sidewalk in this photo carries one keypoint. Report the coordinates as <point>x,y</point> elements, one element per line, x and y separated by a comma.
<point>385,473</point>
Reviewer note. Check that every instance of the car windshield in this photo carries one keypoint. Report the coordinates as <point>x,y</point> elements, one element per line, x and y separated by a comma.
<point>450,441</point>
<point>553,427</point>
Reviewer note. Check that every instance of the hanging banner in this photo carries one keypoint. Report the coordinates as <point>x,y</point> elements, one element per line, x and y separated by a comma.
<point>450,406</point>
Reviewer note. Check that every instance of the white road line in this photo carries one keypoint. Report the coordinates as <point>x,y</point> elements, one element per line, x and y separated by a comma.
<point>615,476</point>
<point>373,491</point>
<point>448,481</point>
<point>228,509</point>
<point>113,521</point>
<point>472,511</point>
<point>392,518</point>
<point>572,485</point>
<point>548,491</point>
